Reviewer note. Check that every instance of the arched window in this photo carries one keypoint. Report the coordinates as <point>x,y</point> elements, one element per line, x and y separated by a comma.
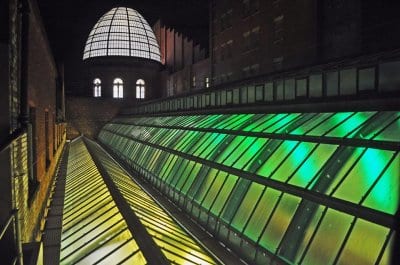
<point>118,88</point>
<point>140,87</point>
<point>97,88</point>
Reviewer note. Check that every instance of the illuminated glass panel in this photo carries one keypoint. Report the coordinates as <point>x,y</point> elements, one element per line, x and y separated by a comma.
<point>363,245</point>
<point>279,222</point>
<point>140,88</point>
<point>304,175</point>
<point>97,87</point>
<point>330,123</point>
<point>118,88</point>
<point>122,32</point>
<point>94,231</point>
<point>385,194</point>
<point>246,207</point>
<point>363,175</point>
<point>333,227</point>
<point>391,133</point>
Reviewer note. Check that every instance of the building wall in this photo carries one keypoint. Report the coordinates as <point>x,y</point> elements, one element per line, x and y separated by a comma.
<point>42,76</point>
<point>260,37</point>
<point>87,115</point>
<point>129,70</point>
<point>4,83</point>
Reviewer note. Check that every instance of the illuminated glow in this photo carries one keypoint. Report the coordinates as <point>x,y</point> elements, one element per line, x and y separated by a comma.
<point>97,88</point>
<point>235,207</point>
<point>122,32</point>
<point>118,88</point>
<point>140,88</point>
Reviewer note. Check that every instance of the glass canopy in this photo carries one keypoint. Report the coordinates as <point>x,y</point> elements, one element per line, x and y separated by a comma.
<point>122,32</point>
<point>301,188</point>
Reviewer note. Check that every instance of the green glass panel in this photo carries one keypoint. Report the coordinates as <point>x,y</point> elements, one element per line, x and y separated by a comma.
<point>350,124</point>
<point>200,141</point>
<point>242,118</point>
<point>188,138</point>
<point>214,190</point>
<point>276,158</point>
<point>270,122</point>
<point>223,195</point>
<point>261,214</point>
<point>230,148</point>
<point>330,123</point>
<point>259,122</point>
<point>329,238</point>
<point>191,178</point>
<point>304,175</point>
<point>241,148</point>
<point>205,184</point>
<point>295,158</point>
<point>211,149</point>
<point>247,205</point>
<point>211,142</point>
<point>188,170</point>
<point>250,154</point>
<point>281,123</point>
<point>279,222</point>
<point>385,194</point>
<point>195,138</point>
<point>391,133</point>
<point>209,122</point>
<point>364,244</point>
<point>308,233</point>
<point>363,175</point>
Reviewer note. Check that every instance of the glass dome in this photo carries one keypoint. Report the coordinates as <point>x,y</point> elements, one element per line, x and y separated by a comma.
<point>122,32</point>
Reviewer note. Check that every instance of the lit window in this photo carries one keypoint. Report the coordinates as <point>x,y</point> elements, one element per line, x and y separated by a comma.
<point>140,87</point>
<point>118,88</point>
<point>207,82</point>
<point>194,81</point>
<point>97,88</point>
<point>122,32</point>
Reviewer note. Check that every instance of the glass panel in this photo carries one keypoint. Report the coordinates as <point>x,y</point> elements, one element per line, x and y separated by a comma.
<point>250,154</point>
<point>312,165</point>
<point>296,157</point>
<point>332,83</point>
<point>364,244</point>
<point>279,222</point>
<point>391,133</point>
<point>363,175</point>
<point>348,83</point>
<point>330,123</point>
<point>385,194</point>
<point>351,124</point>
<point>334,227</point>
<point>366,79</point>
<point>309,125</point>
<point>223,195</point>
<point>247,205</point>
<point>214,190</point>
<point>315,86</point>
<point>276,158</point>
<point>261,214</point>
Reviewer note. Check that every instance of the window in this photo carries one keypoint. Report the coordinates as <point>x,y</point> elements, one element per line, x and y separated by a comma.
<point>140,87</point>
<point>194,81</point>
<point>97,88</point>
<point>118,88</point>
<point>207,82</point>
<point>278,29</point>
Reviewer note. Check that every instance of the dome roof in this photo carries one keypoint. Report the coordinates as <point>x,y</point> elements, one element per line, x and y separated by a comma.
<point>122,32</point>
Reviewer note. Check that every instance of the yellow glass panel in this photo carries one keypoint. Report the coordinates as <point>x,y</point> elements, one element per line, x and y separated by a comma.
<point>364,244</point>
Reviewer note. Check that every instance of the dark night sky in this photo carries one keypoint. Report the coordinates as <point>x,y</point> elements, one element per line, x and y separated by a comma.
<point>69,22</point>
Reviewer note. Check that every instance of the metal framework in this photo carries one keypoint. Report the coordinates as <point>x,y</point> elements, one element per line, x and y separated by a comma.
<point>270,198</point>
<point>122,32</point>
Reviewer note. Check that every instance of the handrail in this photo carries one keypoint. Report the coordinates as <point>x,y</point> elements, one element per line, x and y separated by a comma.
<point>9,221</point>
<point>11,137</point>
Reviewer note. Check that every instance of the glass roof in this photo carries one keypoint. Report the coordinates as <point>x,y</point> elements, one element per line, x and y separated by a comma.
<point>309,197</point>
<point>122,32</point>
